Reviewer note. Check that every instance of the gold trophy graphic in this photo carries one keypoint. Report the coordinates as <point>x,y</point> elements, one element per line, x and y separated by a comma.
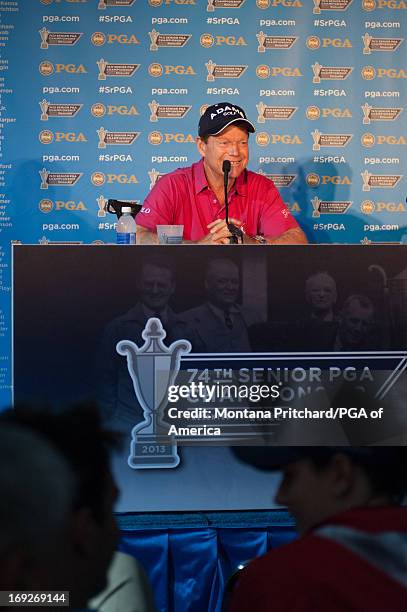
<point>153,174</point>
<point>366,108</point>
<point>44,37</point>
<point>366,178</point>
<point>261,108</point>
<point>316,135</point>
<point>102,135</point>
<point>102,203</point>
<point>154,38</point>
<point>44,174</point>
<point>153,368</point>
<point>367,39</point>
<point>261,37</point>
<point>102,64</point>
<point>316,68</point>
<point>317,7</point>
<point>210,66</point>
<point>154,106</point>
<point>315,205</point>
<point>44,105</point>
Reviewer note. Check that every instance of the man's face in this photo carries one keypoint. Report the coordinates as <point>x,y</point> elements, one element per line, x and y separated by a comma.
<point>355,324</point>
<point>232,144</point>
<point>321,292</point>
<point>306,492</point>
<point>156,287</point>
<point>222,284</point>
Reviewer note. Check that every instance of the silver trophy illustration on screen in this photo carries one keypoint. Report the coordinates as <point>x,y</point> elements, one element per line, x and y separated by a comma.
<point>153,368</point>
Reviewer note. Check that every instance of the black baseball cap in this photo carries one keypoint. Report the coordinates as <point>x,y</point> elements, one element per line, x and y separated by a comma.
<point>272,458</point>
<point>219,116</point>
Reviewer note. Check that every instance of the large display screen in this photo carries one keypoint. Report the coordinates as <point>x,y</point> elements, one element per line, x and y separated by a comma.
<point>190,351</point>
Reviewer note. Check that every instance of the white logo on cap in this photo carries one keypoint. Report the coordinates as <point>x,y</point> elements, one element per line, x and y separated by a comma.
<point>227,110</point>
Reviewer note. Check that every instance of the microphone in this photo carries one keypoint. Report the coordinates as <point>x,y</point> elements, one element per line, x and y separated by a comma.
<point>237,234</point>
<point>226,169</point>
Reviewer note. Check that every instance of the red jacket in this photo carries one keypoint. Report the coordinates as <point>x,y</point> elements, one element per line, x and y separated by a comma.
<point>355,561</point>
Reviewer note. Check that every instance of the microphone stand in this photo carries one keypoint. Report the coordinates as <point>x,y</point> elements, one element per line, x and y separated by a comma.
<point>237,234</point>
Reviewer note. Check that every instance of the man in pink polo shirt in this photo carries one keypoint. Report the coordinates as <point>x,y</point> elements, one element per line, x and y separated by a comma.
<point>194,196</point>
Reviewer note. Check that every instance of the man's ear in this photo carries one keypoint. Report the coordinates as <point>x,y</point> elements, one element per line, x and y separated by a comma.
<point>342,475</point>
<point>201,146</point>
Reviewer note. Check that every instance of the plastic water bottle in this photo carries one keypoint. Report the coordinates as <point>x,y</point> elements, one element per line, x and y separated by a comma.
<point>126,227</point>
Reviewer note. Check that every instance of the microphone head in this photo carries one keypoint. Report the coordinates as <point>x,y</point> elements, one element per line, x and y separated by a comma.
<point>226,166</point>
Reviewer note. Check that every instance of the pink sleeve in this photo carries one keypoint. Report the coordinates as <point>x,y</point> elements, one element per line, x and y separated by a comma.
<point>275,217</point>
<point>158,207</point>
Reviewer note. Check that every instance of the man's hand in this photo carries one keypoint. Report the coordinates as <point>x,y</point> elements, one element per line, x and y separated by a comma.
<point>145,236</point>
<point>219,232</point>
